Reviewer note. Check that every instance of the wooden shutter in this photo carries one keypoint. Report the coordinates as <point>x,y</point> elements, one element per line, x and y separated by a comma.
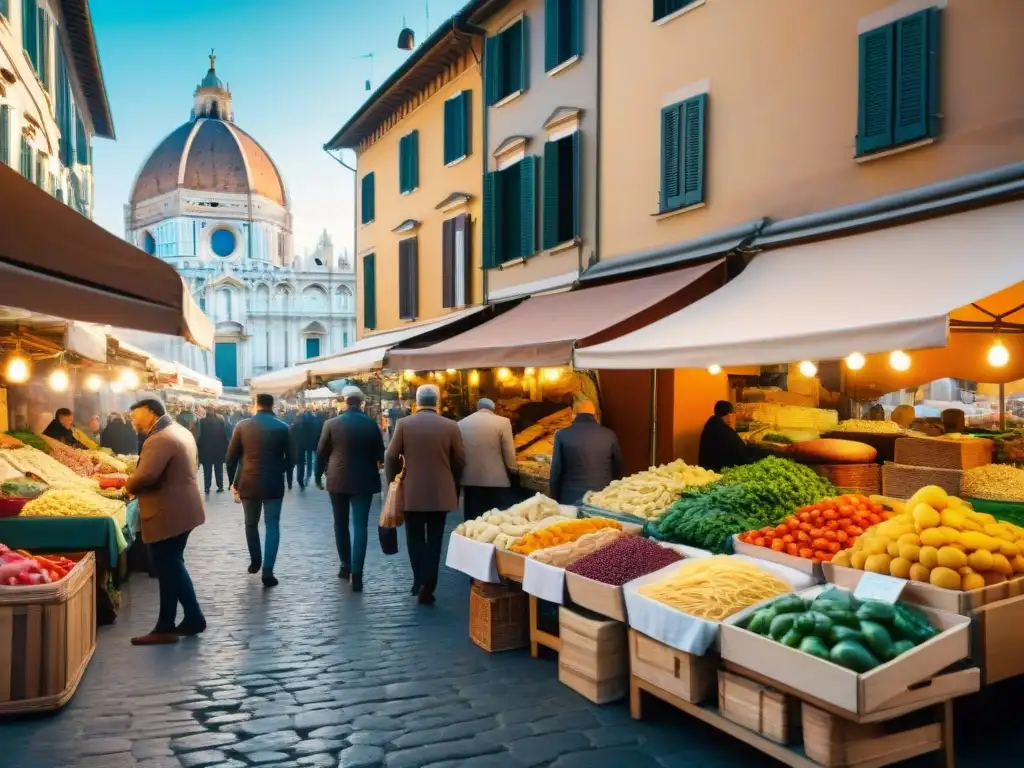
<point>491,224</point>
<point>30,31</point>
<point>414,160</point>
<point>449,130</point>
<point>671,158</point>
<point>82,143</point>
<point>408,279</point>
<point>4,10</point>
<point>448,263</point>
<point>917,58</point>
<point>370,291</point>
<point>549,225</point>
<point>403,164</point>
<point>693,113</point>
<point>367,202</point>
<point>462,259</point>
<point>44,48</point>
<point>528,206</point>
<point>875,106</point>
<point>577,183</point>
<point>576,30</point>
<point>466,123</point>
<point>552,28</point>
<point>492,63</point>
<point>5,133</point>
<point>524,54</point>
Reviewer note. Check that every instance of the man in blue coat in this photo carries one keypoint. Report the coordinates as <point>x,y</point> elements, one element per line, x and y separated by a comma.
<point>351,452</point>
<point>258,458</point>
<point>587,457</point>
<point>310,425</point>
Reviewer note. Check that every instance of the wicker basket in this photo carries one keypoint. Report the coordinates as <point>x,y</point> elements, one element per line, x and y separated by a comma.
<point>498,617</point>
<point>863,478</point>
<point>944,454</point>
<point>901,482</point>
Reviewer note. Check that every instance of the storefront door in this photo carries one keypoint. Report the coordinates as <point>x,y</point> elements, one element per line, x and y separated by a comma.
<point>312,346</point>
<point>226,363</point>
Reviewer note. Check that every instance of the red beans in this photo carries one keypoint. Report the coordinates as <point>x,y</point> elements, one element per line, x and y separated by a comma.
<point>623,560</point>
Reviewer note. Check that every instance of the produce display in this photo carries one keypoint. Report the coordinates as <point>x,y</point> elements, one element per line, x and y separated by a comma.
<point>788,417</point>
<point>628,558</point>
<point>7,441</point>
<point>564,555</point>
<point>78,461</point>
<point>869,426</point>
<point>561,533</point>
<point>21,569</point>
<point>503,528</point>
<point>28,460</point>
<point>7,472</point>
<point>832,451</point>
<point>940,540</point>
<point>106,464</point>
<point>744,499</point>
<point>22,488</point>
<point>649,494</point>
<point>715,588</point>
<point>999,482</point>
<point>28,438</point>
<point>838,628</point>
<point>818,531</point>
<point>71,503</point>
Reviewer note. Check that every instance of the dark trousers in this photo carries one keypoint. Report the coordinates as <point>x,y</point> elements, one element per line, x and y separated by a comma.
<point>290,476</point>
<point>168,558</point>
<point>306,461</point>
<point>424,536</point>
<point>351,546</point>
<point>213,469</point>
<point>476,499</point>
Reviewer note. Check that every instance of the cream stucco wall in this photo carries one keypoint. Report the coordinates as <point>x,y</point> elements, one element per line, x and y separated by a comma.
<point>782,108</point>
<point>436,183</point>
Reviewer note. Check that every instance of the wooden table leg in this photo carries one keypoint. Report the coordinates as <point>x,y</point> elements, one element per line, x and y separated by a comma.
<point>635,706</point>
<point>534,649</point>
<point>947,734</point>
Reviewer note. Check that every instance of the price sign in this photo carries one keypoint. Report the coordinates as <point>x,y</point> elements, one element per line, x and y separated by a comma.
<point>875,586</point>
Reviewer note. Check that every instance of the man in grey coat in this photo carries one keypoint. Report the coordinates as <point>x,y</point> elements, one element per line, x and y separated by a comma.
<point>490,460</point>
<point>431,448</point>
<point>587,457</point>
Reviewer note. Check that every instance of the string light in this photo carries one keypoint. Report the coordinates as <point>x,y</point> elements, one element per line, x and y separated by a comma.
<point>129,378</point>
<point>58,380</point>
<point>899,360</point>
<point>410,375</point>
<point>529,371</point>
<point>808,369</point>
<point>18,369</point>
<point>504,374</point>
<point>714,369</point>
<point>451,371</point>
<point>116,387</point>
<point>998,355</point>
<point>474,378</point>
<point>855,361</point>
<point>552,374</point>
<point>93,382</point>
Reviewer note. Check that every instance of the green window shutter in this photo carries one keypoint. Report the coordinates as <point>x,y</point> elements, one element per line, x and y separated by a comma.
<point>449,131</point>
<point>370,291</point>
<point>414,160</point>
<point>367,203</point>
<point>456,127</point>
<point>403,163</point>
<point>576,31</point>
<point>82,144</point>
<point>917,58</point>
<point>875,107</point>
<point>466,123</point>
<point>671,158</point>
<point>30,31</point>
<point>5,11</point>
<point>577,184</point>
<point>524,54</point>
<point>492,53</point>
<point>490,223</point>
<point>528,206</point>
<point>694,114</point>
<point>552,54</point>
<point>5,132</point>
<point>549,231</point>
<point>44,48</point>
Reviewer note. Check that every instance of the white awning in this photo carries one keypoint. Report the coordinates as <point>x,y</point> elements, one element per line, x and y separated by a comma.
<point>364,356</point>
<point>874,292</point>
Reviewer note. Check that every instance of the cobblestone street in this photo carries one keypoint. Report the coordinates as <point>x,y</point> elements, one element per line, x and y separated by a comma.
<point>311,674</point>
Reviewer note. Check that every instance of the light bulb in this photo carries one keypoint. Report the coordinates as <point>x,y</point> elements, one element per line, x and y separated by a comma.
<point>439,377</point>
<point>714,369</point>
<point>552,374</point>
<point>855,361</point>
<point>474,378</point>
<point>410,375</point>
<point>93,382</point>
<point>116,387</point>
<point>18,370</point>
<point>504,374</point>
<point>998,355</point>
<point>529,371</point>
<point>58,380</point>
<point>899,360</point>
<point>808,369</point>
<point>129,378</point>
<point>451,371</point>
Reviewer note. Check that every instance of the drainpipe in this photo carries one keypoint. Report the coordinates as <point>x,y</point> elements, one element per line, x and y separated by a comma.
<point>355,206</point>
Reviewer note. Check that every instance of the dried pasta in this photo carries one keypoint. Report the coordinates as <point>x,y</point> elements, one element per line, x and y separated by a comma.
<point>715,588</point>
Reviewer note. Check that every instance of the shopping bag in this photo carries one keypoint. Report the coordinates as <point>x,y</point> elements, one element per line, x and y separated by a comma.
<point>392,511</point>
<point>388,539</point>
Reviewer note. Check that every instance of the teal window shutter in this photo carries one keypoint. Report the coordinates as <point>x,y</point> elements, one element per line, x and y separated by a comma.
<point>549,231</point>
<point>370,291</point>
<point>528,206</point>
<point>5,11</point>
<point>917,59</point>
<point>575,28</point>
<point>671,158</point>
<point>449,130</point>
<point>82,143</point>
<point>563,31</point>
<point>403,163</point>
<point>492,55</point>
<point>5,133</point>
<point>524,55</point>
<point>44,48</point>
<point>26,165</point>
<point>552,54</point>
<point>490,223</point>
<point>466,122</point>
<point>367,203</point>
<point>875,107</point>
<point>693,120</point>
<point>408,162</point>
<point>577,184</point>
<point>414,160</point>
<point>30,31</point>
<point>663,8</point>
<point>457,127</point>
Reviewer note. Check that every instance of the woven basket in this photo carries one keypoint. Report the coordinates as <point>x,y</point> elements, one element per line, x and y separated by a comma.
<point>863,478</point>
<point>498,617</point>
<point>901,482</point>
<point>944,454</point>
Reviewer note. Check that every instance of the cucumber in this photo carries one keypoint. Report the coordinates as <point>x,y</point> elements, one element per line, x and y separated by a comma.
<point>792,639</point>
<point>761,621</point>
<point>900,647</point>
<point>804,623</point>
<point>822,624</point>
<point>839,616</point>
<point>874,610</point>
<point>853,656</point>
<point>840,632</point>
<point>877,639</point>
<point>814,647</point>
<point>781,625</point>
<point>789,604</point>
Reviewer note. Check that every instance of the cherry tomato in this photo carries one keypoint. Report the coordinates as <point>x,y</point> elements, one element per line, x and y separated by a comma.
<point>831,525</point>
<point>806,527</point>
<point>778,545</point>
<point>845,522</point>
<point>806,552</point>
<point>788,538</point>
<point>781,530</point>
<point>831,515</point>
<point>854,531</point>
<point>830,535</point>
<point>793,549</point>
<point>768,529</point>
<point>803,536</point>
<point>876,508</point>
<point>803,517</point>
<point>833,547</point>
<point>885,515</point>
<point>846,510</point>
<point>842,537</point>
<point>792,524</point>
<point>825,557</point>
<point>759,541</point>
<point>874,519</point>
<point>816,532</point>
<point>819,543</point>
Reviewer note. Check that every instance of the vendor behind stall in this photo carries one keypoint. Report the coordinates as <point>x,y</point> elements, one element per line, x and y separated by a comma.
<point>720,446</point>
<point>586,457</point>
<point>60,428</point>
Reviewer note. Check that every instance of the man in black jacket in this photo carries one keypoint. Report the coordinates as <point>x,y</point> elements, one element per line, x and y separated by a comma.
<point>60,428</point>
<point>587,457</point>
<point>213,448</point>
<point>720,446</point>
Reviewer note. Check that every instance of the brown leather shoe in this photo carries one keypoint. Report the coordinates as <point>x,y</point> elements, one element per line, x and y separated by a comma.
<point>156,638</point>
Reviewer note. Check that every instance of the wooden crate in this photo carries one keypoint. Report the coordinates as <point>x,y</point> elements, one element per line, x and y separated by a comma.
<point>598,692</point>
<point>683,675</point>
<point>773,714</point>
<point>944,454</point>
<point>594,658</point>
<point>859,478</point>
<point>498,617</point>
<point>901,481</point>
<point>47,638</point>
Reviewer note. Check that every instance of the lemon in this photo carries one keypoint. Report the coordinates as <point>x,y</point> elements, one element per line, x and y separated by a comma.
<point>928,557</point>
<point>925,516</point>
<point>980,560</point>
<point>919,572</point>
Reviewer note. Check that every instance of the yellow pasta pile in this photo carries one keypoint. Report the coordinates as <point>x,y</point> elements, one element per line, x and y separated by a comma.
<point>715,588</point>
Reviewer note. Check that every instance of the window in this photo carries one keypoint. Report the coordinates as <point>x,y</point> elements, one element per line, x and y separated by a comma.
<point>5,11</point>
<point>5,134</point>
<point>41,174</point>
<point>506,62</point>
<point>367,212</point>
<point>408,279</point>
<point>312,347</point>
<point>223,242</point>
<point>149,243</point>
<point>65,111</point>
<point>682,153</point>
<point>27,160</point>
<point>457,127</point>
<point>563,31</point>
<point>43,66</point>
<point>561,190</point>
<point>510,213</point>
<point>344,298</point>
<point>409,162</point>
<point>30,31</point>
<point>370,291</point>
<point>663,8</point>
<point>898,100</point>
<point>456,264</point>
<point>82,148</point>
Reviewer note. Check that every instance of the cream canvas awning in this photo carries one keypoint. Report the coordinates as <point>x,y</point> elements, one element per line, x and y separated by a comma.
<point>873,292</point>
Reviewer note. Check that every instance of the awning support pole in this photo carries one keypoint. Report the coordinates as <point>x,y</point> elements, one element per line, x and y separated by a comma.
<point>1002,407</point>
<point>654,418</point>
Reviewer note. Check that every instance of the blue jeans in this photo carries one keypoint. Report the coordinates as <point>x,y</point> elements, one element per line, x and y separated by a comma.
<point>252,509</point>
<point>307,464</point>
<point>351,549</point>
<point>168,558</point>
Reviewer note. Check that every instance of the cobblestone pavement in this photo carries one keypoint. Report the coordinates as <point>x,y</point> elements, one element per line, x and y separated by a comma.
<point>311,674</point>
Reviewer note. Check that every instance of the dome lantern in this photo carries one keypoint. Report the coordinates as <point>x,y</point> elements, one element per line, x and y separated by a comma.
<point>212,98</point>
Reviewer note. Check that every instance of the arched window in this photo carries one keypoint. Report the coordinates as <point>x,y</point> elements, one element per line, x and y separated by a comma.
<point>282,298</point>
<point>343,298</point>
<point>262,298</point>
<point>314,299</point>
<point>224,303</point>
<point>148,243</point>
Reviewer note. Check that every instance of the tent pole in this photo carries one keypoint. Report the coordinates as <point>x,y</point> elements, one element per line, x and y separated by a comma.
<point>1002,407</point>
<point>654,418</point>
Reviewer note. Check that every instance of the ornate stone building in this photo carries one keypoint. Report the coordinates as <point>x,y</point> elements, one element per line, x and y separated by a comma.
<point>210,201</point>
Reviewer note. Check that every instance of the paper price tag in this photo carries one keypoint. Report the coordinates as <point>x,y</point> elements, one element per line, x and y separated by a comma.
<point>875,586</point>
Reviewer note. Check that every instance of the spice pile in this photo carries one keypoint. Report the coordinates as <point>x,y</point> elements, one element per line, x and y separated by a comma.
<point>869,426</point>
<point>79,462</point>
<point>624,560</point>
<point>998,482</point>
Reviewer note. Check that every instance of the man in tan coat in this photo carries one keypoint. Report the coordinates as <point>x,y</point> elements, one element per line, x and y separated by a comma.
<point>431,447</point>
<point>490,460</point>
<point>170,507</point>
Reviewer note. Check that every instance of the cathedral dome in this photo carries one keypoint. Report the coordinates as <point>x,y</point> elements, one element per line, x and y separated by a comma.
<point>210,153</point>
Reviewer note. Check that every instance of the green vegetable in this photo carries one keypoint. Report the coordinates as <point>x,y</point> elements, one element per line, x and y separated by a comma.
<point>761,621</point>
<point>833,595</point>
<point>782,624</point>
<point>909,623</point>
<point>874,610</point>
<point>839,615</point>
<point>838,633</point>
<point>853,655</point>
<point>900,647</point>
<point>792,639</point>
<point>789,604</point>
<point>815,647</point>
<point>822,624</point>
<point>877,639</point>
<point>804,623</point>
<point>31,439</point>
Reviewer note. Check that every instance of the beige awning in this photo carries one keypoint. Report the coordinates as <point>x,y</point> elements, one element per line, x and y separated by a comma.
<point>55,261</point>
<point>543,330</point>
<point>874,292</point>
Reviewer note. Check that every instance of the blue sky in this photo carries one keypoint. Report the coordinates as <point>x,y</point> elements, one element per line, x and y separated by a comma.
<point>293,74</point>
